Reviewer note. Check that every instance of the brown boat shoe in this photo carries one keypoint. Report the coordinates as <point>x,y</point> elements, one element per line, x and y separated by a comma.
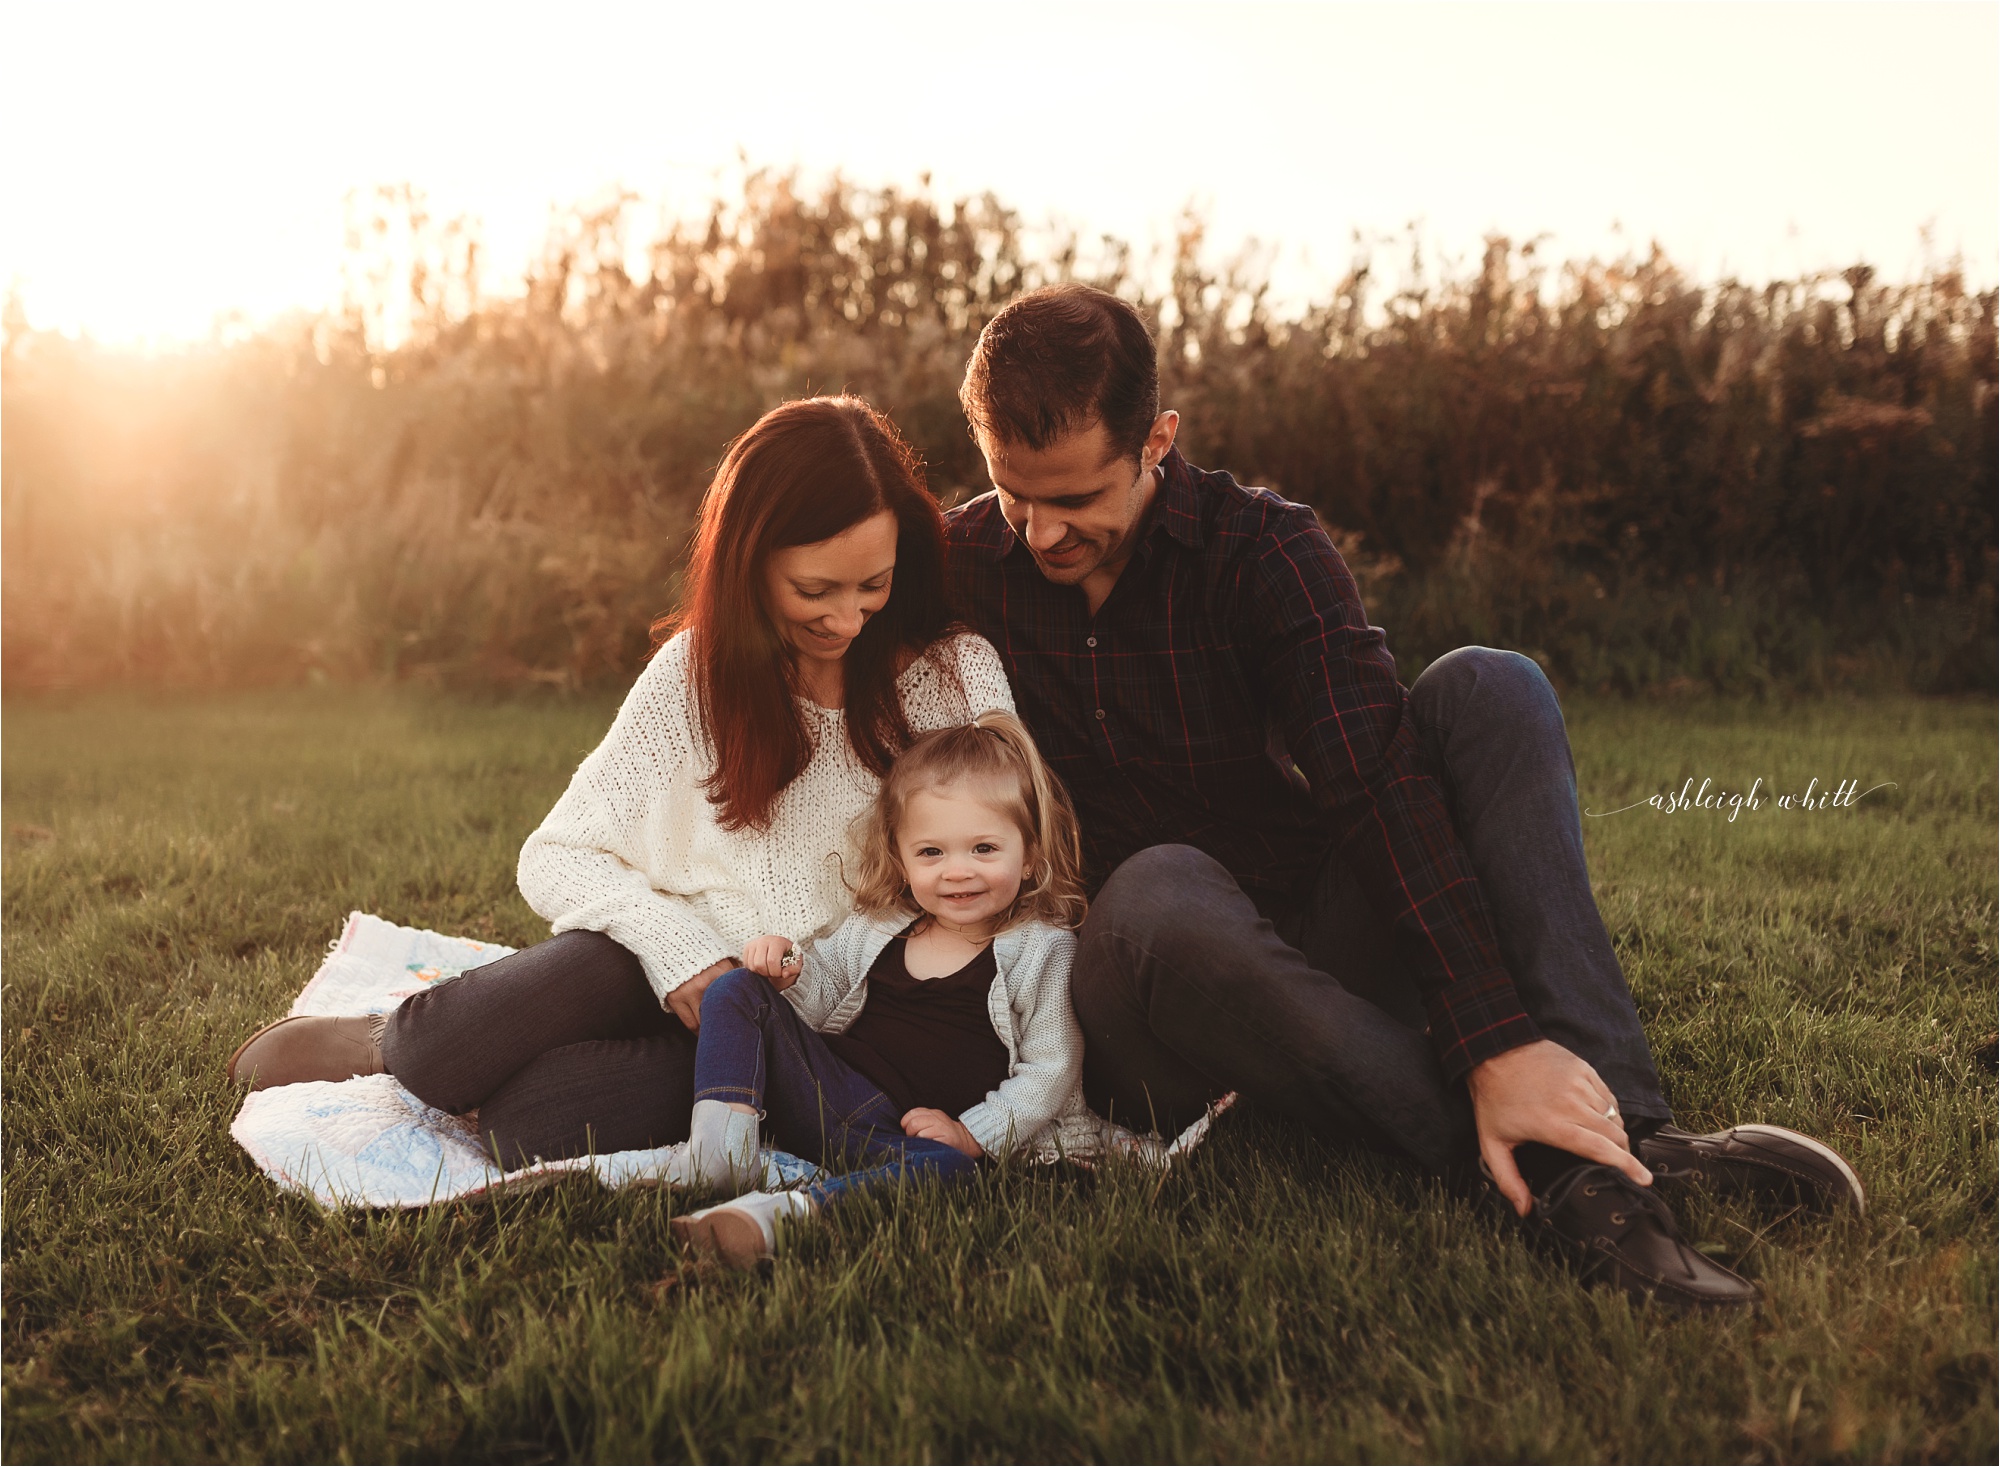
<point>1764,1161</point>
<point>1620,1235</point>
<point>310,1047</point>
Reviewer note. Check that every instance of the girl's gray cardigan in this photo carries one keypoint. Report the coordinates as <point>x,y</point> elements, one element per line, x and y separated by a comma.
<point>1039,1105</point>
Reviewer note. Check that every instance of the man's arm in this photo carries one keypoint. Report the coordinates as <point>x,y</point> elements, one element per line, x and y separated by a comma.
<point>1347,724</point>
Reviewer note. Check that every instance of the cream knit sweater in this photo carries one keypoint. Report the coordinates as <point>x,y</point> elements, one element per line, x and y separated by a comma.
<point>633,849</point>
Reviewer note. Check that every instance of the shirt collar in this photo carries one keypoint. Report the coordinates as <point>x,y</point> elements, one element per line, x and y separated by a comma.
<point>1176,507</point>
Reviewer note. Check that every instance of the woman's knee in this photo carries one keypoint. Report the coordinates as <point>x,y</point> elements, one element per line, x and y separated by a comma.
<point>591,959</point>
<point>573,971</point>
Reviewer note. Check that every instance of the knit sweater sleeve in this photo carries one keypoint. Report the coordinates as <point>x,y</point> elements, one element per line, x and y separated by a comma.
<point>834,966</point>
<point>1049,1064</point>
<point>582,869</point>
<point>955,682</point>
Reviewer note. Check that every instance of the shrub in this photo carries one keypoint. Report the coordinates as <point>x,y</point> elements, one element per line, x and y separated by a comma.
<point>1642,480</point>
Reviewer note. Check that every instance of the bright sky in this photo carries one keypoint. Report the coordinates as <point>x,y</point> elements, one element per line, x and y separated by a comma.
<point>161,163</point>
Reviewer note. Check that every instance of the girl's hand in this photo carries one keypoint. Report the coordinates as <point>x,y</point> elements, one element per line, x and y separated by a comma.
<point>935,1125</point>
<point>775,958</point>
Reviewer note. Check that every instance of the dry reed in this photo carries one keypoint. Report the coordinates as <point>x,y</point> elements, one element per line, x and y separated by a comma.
<point>1641,479</point>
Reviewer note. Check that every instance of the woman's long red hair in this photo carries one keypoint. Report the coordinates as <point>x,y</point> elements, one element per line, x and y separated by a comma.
<point>803,473</point>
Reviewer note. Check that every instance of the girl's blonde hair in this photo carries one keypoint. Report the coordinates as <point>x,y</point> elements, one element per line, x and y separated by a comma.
<point>997,751</point>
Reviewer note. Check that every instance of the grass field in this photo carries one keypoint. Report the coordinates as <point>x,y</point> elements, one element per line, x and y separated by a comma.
<point>173,869</point>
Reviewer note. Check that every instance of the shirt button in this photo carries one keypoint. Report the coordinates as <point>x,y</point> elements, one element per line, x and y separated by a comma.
<point>1090,641</point>
<point>1100,713</point>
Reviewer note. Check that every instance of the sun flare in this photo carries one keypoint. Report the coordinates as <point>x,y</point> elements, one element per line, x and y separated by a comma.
<point>169,167</point>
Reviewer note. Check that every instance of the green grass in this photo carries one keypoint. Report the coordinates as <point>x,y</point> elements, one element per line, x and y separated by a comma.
<point>173,869</point>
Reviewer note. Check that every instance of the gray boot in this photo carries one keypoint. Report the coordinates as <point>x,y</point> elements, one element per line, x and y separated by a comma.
<point>722,1147</point>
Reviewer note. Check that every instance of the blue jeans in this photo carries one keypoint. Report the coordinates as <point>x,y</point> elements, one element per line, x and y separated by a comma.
<point>1186,987</point>
<point>755,1050</point>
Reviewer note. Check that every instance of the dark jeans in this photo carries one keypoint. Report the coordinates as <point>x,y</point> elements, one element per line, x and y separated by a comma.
<point>1186,988</point>
<point>562,1048</point>
<point>755,1050</point>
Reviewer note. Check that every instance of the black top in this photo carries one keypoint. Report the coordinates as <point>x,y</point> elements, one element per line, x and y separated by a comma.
<point>926,1041</point>
<point>1230,695</point>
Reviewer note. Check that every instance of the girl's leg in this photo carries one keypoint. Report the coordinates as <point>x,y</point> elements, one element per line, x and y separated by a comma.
<point>755,1050</point>
<point>600,1096</point>
<point>457,1044</point>
<point>744,1231</point>
<point>891,1159</point>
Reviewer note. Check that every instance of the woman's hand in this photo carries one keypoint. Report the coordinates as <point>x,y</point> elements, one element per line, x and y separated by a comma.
<point>684,1003</point>
<point>935,1125</point>
<point>776,958</point>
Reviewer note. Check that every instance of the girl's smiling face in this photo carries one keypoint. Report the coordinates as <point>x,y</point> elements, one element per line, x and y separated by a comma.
<point>963,856</point>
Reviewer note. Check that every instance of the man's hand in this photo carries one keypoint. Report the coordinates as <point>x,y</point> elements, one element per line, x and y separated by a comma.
<point>685,1002</point>
<point>1542,1092</point>
<point>766,956</point>
<point>935,1125</point>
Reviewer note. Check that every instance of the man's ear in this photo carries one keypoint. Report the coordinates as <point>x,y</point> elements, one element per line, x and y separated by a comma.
<point>1159,440</point>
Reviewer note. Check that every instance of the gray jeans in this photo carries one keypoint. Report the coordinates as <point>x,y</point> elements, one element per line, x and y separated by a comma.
<point>561,1048</point>
<point>1187,988</point>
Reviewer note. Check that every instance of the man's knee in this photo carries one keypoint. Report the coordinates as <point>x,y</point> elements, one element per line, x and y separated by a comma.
<point>1485,683</point>
<point>1159,891</point>
<point>1167,902</point>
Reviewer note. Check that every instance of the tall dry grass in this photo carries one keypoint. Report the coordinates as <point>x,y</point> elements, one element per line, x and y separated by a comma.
<point>1642,479</point>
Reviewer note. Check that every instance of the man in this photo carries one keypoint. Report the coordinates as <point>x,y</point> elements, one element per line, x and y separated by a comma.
<point>1360,905</point>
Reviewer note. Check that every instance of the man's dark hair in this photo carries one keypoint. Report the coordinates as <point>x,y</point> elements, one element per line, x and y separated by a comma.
<point>1058,359</point>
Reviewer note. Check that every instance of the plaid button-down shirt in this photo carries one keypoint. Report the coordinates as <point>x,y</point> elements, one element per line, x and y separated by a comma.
<point>1230,695</point>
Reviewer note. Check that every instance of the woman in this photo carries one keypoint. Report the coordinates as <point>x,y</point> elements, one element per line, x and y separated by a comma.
<point>812,643</point>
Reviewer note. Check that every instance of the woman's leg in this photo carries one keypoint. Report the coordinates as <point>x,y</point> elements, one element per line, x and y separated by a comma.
<point>600,1096</point>
<point>456,1044</point>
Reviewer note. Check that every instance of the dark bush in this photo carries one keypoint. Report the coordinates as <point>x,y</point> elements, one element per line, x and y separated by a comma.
<point>1642,480</point>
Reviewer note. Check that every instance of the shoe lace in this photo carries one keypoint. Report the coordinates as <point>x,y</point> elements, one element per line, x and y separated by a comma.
<point>1595,1179</point>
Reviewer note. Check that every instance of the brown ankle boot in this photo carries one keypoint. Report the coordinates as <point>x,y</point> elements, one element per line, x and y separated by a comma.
<point>310,1047</point>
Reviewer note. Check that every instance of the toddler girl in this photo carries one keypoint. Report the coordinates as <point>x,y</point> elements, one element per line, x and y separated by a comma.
<point>900,1047</point>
